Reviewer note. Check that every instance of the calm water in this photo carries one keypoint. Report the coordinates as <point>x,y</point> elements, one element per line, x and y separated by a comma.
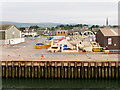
<point>61,83</point>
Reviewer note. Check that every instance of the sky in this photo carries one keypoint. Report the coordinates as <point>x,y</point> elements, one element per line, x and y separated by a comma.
<point>60,12</point>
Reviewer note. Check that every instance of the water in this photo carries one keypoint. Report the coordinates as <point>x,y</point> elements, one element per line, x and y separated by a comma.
<point>59,83</point>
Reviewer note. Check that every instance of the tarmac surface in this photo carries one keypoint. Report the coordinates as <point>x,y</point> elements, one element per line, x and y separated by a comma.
<point>27,51</point>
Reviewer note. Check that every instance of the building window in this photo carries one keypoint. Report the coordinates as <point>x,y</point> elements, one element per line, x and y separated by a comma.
<point>64,32</point>
<point>109,41</point>
<point>61,32</point>
<point>58,32</point>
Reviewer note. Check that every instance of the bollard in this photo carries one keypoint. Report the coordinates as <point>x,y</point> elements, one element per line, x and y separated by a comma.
<point>59,72</point>
<point>109,70</point>
<point>78,72</point>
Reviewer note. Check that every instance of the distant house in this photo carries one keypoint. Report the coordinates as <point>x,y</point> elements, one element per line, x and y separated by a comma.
<point>29,32</point>
<point>9,34</point>
<point>61,33</point>
<point>109,37</point>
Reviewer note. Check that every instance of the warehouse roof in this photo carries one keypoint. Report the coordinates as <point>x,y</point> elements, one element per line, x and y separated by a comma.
<point>5,27</point>
<point>110,31</point>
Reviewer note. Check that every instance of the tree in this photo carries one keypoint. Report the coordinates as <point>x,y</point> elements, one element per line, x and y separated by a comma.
<point>34,27</point>
<point>22,29</point>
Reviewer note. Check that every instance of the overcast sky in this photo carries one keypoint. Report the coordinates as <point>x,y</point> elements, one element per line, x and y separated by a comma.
<point>60,12</point>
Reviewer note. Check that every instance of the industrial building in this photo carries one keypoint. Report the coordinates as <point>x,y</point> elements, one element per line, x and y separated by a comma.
<point>61,33</point>
<point>9,34</point>
<point>109,38</point>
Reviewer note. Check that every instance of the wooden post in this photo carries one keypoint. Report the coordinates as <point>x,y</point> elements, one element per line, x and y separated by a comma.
<point>26,70</point>
<point>75,70</point>
<point>109,70</point>
<point>36,72</point>
<point>6,70</point>
<point>103,70</point>
<point>46,70</point>
<point>69,70</point>
<point>62,70</point>
<point>39,71</point>
<point>59,72</point>
<point>23,72</point>
<point>89,71</point>
<point>19,70</point>
<point>96,71</point>
<point>56,70</point>
<point>82,71</point>
<point>13,70</point>
<point>116,70</point>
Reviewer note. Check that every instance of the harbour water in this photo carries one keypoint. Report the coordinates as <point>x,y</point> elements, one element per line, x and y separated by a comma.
<point>60,83</point>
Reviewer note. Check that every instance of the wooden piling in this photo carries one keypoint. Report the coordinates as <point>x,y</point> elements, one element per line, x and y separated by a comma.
<point>113,72</point>
<point>29,71</point>
<point>116,70</point>
<point>59,72</point>
<point>36,72</point>
<point>109,70</point>
<point>3,71</point>
<point>78,72</point>
<point>39,72</point>
<point>49,76</point>
<point>16,72</point>
<point>9,74</point>
<point>106,72</point>
<point>23,72</point>
<point>103,71</point>
<point>86,72</point>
